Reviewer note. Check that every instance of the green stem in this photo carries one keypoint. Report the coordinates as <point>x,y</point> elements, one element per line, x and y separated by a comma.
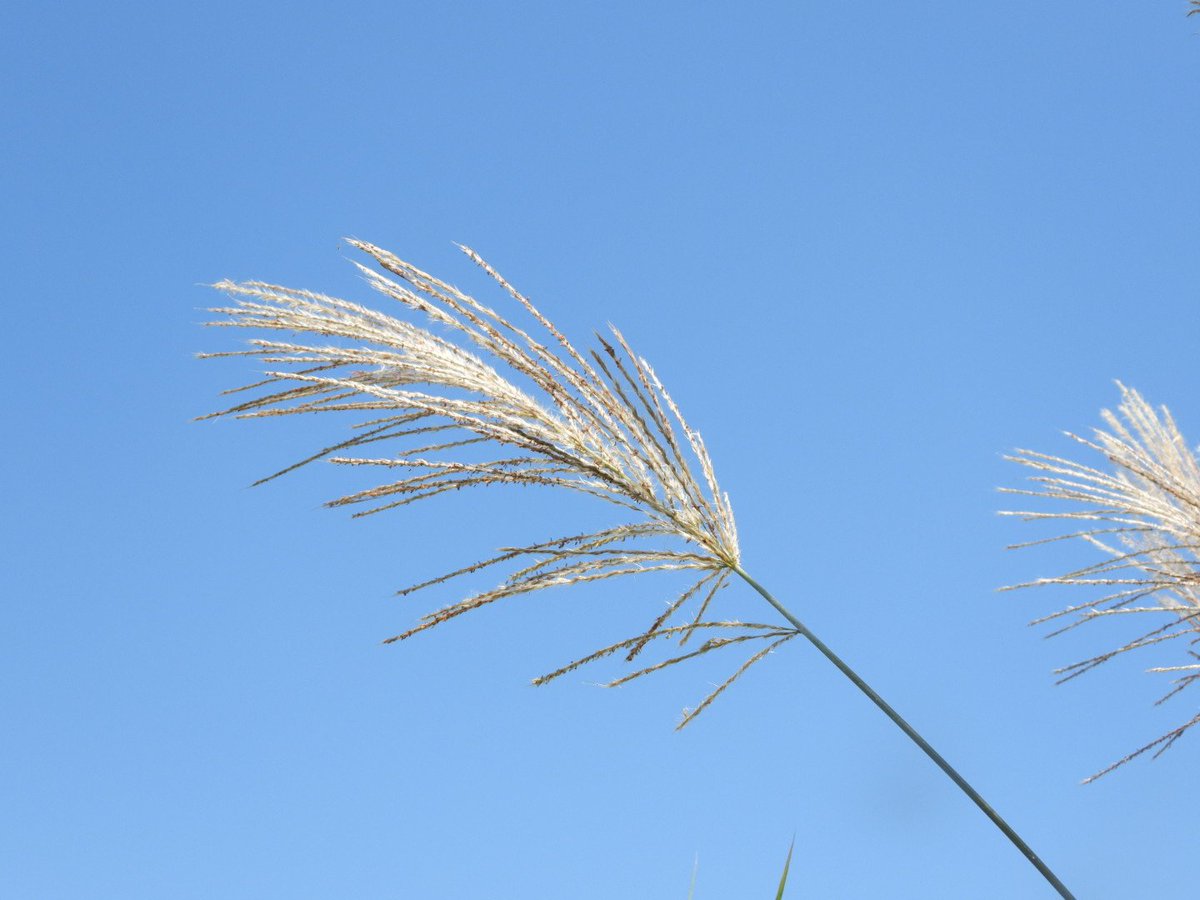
<point>916,738</point>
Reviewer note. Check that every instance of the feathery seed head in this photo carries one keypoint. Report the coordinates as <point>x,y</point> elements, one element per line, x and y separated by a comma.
<point>600,424</point>
<point>1144,516</point>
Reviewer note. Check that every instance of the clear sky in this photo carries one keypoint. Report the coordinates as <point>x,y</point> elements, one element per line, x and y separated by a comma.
<point>868,248</point>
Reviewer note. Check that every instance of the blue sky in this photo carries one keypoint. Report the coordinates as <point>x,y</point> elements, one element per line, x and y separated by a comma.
<point>868,249</point>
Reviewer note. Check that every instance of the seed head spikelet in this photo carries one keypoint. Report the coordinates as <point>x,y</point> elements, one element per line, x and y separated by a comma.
<point>599,423</point>
<point>1146,515</point>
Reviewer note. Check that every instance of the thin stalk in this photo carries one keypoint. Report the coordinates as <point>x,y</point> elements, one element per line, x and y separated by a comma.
<point>915,736</point>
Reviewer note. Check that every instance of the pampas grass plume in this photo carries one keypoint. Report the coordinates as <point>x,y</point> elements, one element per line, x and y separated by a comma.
<point>1143,515</point>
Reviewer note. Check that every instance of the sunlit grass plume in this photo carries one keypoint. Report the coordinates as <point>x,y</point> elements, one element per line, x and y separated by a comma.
<point>540,413</point>
<point>1143,515</point>
<point>599,423</point>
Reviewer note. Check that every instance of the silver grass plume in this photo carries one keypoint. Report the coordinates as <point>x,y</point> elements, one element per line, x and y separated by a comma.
<point>601,424</point>
<point>1144,516</point>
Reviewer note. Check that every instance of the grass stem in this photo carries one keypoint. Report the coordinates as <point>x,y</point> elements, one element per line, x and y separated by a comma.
<point>941,763</point>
